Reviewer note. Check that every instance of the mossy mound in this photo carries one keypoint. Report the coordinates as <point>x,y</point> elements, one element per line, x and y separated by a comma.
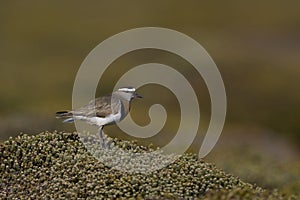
<point>57,165</point>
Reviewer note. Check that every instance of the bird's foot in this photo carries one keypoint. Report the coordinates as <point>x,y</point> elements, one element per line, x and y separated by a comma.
<point>107,144</point>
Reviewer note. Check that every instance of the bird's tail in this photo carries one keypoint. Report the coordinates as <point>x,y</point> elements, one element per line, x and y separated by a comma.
<point>65,114</point>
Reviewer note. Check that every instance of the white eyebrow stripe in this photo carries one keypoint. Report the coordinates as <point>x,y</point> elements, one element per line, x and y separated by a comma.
<point>127,89</point>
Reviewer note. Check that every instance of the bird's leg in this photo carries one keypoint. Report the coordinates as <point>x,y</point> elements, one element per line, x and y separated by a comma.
<point>103,143</point>
<point>101,138</point>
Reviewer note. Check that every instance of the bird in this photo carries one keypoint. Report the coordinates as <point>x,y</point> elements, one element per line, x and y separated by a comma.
<point>105,110</point>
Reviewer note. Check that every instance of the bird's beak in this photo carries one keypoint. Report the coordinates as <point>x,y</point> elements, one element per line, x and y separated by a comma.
<point>136,95</point>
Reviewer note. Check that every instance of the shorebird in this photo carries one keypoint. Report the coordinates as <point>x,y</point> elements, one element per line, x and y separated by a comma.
<point>105,110</point>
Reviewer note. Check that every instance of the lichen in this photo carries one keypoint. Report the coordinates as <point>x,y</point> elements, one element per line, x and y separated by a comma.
<point>57,165</point>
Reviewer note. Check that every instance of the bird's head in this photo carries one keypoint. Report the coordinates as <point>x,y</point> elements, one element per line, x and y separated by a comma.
<point>128,93</point>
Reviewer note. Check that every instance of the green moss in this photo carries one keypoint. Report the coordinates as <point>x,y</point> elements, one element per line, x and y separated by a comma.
<point>57,165</point>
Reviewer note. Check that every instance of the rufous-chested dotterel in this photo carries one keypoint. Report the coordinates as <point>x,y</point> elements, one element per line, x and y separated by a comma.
<point>104,110</point>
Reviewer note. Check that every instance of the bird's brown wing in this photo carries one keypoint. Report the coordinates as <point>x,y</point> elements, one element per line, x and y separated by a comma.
<point>99,107</point>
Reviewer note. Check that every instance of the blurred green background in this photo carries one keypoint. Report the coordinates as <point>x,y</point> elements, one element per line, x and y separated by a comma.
<point>256,46</point>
